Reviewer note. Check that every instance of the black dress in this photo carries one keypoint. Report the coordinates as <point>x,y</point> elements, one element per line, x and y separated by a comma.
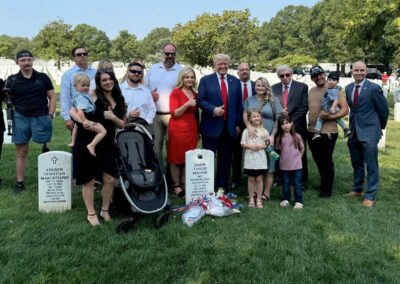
<point>89,167</point>
<point>2,125</point>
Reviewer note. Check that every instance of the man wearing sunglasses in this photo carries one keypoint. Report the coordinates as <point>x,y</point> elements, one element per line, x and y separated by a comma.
<point>293,96</point>
<point>80,57</point>
<point>137,97</point>
<point>161,79</point>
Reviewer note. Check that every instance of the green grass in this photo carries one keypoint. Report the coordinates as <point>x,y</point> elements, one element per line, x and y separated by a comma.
<point>329,241</point>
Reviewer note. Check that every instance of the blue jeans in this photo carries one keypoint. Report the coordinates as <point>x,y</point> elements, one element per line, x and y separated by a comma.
<point>296,178</point>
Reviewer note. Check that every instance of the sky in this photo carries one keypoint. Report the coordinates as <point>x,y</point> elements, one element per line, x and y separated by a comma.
<point>25,18</point>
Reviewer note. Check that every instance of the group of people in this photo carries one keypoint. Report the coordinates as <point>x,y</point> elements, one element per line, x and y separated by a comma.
<point>237,116</point>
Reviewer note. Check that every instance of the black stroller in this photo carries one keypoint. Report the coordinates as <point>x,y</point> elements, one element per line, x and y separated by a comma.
<point>140,175</point>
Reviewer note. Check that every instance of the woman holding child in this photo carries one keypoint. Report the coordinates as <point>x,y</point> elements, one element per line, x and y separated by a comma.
<point>110,112</point>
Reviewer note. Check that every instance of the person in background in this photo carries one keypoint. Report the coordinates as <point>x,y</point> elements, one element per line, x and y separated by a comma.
<point>161,80</point>
<point>247,91</point>
<point>2,124</point>
<point>80,57</point>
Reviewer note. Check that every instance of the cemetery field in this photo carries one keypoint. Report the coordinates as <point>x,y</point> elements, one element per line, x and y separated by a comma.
<point>328,241</point>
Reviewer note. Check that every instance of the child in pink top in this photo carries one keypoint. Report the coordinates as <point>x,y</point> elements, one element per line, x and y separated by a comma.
<point>292,148</point>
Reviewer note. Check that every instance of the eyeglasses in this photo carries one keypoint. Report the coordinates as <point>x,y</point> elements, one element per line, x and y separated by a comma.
<point>170,53</point>
<point>105,70</point>
<point>287,75</point>
<point>81,54</point>
<point>133,71</point>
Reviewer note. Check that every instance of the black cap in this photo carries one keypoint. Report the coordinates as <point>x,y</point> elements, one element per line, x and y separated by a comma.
<point>24,53</point>
<point>315,70</point>
<point>335,75</point>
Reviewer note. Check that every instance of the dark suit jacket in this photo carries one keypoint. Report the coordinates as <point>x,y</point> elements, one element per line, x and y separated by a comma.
<point>371,114</point>
<point>297,104</point>
<point>210,97</point>
<point>2,125</point>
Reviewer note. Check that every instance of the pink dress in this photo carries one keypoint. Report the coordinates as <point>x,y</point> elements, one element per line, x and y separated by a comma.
<point>183,131</point>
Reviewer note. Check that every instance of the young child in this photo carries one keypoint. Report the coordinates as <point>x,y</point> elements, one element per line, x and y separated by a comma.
<point>292,148</point>
<point>84,106</point>
<point>329,104</point>
<point>255,158</point>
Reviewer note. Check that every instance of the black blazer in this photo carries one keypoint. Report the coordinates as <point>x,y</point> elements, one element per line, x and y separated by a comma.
<point>297,104</point>
<point>2,125</point>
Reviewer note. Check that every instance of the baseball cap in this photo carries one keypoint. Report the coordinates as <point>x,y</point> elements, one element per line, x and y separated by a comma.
<point>315,70</point>
<point>335,75</point>
<point>24,53</point>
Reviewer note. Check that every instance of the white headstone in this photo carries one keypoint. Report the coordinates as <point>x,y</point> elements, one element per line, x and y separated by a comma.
<point>385,89</point>
<point>7,138</point>
<point>397,111</point>
<point>396,95</point>
<point>382,142</point>
<point>55,181</point>
<point>199,169</point>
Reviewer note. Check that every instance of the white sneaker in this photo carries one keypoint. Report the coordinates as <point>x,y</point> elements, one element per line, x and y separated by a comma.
<point>298,205</point>
<point>284,203</point>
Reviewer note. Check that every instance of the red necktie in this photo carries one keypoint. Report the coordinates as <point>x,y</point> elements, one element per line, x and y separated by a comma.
<point>224,93</point>
<point>355,98</point>
<point>285,96</point>
<point>245,92</point>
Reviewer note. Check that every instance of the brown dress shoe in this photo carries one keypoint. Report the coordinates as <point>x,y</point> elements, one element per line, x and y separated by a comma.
<point>354,194</point>
<point>368,203</point>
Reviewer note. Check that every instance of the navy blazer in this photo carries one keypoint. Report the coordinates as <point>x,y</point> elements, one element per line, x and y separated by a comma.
<point>297,106</point>
<point>370,115</point>
<point>209,97</point>
<point>2,125</point>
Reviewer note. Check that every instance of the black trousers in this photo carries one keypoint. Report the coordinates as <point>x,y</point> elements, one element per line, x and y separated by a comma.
<point>322,152</point>
<point>237,155</point>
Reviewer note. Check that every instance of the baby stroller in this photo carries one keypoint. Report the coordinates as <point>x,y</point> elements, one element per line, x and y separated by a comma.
<point>140,175</point>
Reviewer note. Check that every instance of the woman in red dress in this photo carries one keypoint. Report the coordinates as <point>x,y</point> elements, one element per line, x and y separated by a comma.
<point>182,128</point>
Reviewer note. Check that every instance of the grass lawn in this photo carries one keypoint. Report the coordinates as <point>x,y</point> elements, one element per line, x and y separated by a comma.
<point>329,241</point>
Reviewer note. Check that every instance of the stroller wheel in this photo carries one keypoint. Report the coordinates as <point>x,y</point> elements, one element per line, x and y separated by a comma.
<point>126,226</point>
<point>161,220</point>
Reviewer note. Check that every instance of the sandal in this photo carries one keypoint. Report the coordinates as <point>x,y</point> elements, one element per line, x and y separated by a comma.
<point>105,215</point>
<point>259,204</point>
<point>264,197</point>
<point>178,193</point>
<point>92,219</point>
<point>251,203</point>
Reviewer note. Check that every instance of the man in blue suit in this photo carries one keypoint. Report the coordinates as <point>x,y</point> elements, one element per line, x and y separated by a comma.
<point>220,99</point>
<point>368,116</point>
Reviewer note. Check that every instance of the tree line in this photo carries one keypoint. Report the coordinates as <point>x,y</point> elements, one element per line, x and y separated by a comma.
<point>340,31</point>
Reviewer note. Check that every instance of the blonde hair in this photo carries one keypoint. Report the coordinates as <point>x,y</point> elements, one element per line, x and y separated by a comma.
<point>220,56</point>
<point>268,95</point>
<point>81,78</point>
<point>104,64</point>
<point>182,74</point>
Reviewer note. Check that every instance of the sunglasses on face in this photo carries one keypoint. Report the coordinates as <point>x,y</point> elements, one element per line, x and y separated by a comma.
<point>81,54</point>
<point>287,75</point>
<point>138,72</point>
<point>170,53</point>
<point>105,70</point>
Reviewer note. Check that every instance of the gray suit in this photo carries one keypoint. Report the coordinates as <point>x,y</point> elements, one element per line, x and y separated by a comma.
<point>367,120</point>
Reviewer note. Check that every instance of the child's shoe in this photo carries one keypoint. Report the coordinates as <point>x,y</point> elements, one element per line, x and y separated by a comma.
<point>298,205</point>
<point>259,204</point>
<point>284,204</point>
<point>316,135</point>
<point>347,132</point>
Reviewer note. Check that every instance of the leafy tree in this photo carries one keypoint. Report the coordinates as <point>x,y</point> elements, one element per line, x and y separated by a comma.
<point>230,33</point>
<point>294,60</point>
<point>154,41</point>
<point>286,33</point>
<point>9,46</point>
<point>125,47</point>
<point>94,40</point>
<point>54,41</point>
